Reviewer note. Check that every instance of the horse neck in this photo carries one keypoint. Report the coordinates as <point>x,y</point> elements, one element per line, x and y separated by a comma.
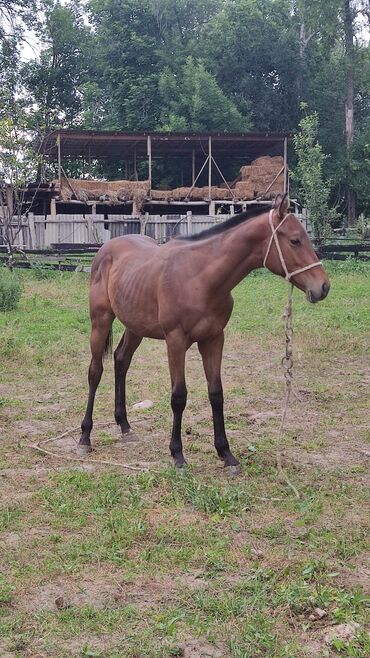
<point>235,253</point>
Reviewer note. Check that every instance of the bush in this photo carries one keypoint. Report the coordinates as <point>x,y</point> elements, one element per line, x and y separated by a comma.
<point>10,290</point>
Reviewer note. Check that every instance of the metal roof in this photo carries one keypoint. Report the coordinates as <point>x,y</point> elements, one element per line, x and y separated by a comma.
<point>123,145</point>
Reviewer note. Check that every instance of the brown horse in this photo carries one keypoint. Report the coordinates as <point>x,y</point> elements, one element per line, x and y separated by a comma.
<point>180,292</point>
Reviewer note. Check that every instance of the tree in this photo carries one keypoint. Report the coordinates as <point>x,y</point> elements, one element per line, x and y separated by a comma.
<point>193,100</point>
<point>55,78</point>
<point>18,165</point>
<point>251,49</point>
<point>15,17</point>
<point>126,63</point>
<point>313,189</point>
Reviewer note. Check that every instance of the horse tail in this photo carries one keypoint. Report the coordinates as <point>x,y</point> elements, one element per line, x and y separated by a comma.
<point>108,348</point>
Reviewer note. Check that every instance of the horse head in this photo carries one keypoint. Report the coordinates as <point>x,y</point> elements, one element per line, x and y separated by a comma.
<point>289,253</point>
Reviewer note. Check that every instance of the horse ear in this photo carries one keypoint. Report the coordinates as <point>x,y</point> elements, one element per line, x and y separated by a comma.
<point>283,205</point>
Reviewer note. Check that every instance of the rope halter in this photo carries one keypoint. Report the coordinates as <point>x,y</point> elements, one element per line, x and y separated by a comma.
<point>274,238</point>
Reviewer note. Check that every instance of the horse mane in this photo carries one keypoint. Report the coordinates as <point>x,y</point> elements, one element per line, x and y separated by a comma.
<point>235,220</point>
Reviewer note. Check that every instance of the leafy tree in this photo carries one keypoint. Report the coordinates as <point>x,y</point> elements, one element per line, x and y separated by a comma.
<point>313,189</point>
<point>55,78</point>
<point>251,49</point>
<point>193,100</point>
<point>15,17</point>
<point>18,164</point>
<point>127,63</point>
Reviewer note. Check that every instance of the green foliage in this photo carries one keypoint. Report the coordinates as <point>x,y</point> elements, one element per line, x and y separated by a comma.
<point>10,290</point>
<point>314,190</point>
<point>193,100</point>
<point>53,79</point>
<point>42,272</point>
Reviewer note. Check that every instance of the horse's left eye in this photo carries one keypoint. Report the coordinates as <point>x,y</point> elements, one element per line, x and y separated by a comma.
<point>295,242</point>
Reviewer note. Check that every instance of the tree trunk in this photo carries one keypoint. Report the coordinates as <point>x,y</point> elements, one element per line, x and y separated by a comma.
<point>350,52</point>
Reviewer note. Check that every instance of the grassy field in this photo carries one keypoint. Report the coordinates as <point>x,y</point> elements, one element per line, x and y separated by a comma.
<point>100,561</point>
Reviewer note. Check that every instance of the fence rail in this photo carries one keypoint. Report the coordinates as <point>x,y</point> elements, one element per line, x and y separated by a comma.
<point>40,232</point>
<point>70,241</point>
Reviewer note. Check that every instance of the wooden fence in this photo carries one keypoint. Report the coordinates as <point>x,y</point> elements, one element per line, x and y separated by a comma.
<point>60,233</point>
<point>41,232</point>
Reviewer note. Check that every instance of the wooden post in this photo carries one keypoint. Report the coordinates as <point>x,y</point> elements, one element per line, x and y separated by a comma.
<point>189,221</point>
<point>285,165</point>
<point>90,228</point>
<point>31,224</point>
<point>193,167</point>
<point>209,167</point>
<point>59,162</point>
<point>149,152</point>
<point>53,209</point>
<point>143,222</point>
<point>135,168</point>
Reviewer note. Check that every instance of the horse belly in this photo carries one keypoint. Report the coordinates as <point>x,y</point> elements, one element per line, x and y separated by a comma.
<point>133,297</point>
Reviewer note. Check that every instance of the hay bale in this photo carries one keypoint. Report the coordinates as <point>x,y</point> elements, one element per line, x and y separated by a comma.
<point>244,190</point>
<point>138,198</point>
<point>162,195</point>
<point>258,176</point>
<point>130,185</point>
<point>65,193</point>
<point>81,195</point>
<point>269,163</point>
<point>123,194</point>
<point>221,193</point>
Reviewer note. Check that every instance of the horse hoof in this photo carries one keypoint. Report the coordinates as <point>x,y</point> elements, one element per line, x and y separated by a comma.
<point>181,467</point>
<point>83,450</point>
<point>233,471</point>
<point>129,437</point>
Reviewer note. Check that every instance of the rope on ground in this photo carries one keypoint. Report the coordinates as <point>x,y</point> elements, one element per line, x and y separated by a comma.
<point>287,363</point>
<point>82,460</point>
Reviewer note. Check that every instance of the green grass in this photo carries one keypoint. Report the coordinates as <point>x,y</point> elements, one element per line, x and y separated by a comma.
<point>150,561</point>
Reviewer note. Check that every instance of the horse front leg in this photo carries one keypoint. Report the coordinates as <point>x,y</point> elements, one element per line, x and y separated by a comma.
<point>176,350</point>
<point>211,352</point>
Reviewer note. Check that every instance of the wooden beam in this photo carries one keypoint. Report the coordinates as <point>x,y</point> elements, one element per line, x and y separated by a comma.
<point>149,152</point>
<point>285,165</point>
<point>209,167</point>
<point>59,161</point>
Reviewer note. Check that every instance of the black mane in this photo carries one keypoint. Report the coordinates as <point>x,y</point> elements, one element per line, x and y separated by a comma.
<point>235,220</point>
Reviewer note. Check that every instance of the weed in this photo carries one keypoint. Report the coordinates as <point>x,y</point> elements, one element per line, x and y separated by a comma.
<point>10,290</point>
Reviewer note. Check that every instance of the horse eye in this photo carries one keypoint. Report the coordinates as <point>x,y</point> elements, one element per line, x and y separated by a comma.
<point>295,242</point>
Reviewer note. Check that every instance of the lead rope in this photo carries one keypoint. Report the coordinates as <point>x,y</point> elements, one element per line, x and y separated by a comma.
<point>287,364</point>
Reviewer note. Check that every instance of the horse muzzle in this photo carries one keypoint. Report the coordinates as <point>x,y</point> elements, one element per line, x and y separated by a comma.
<point>318,294</point>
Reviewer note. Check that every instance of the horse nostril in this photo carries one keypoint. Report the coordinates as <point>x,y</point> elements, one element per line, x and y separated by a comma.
<point>325,288</point>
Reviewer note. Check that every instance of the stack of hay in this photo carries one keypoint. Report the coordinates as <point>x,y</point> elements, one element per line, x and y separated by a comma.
<point>195,194</point>
<point>117,191</point>
<point>255,178</point>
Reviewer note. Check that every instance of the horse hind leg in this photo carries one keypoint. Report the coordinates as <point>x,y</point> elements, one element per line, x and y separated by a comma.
<point>122,360</point>
<point>100,343</point>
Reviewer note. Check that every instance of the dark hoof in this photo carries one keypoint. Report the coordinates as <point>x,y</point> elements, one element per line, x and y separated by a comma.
<point>129,437</point>
<point>181,469</point>
<point>180,464</point>
<point>83,450</point>
<point>233,471</point>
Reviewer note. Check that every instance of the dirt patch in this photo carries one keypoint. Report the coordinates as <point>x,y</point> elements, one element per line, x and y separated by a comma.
<point>335,457</point>
<point>358,576</point>
<point>203,649</point>
<point>59,594</point>
<point>145,592</point>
